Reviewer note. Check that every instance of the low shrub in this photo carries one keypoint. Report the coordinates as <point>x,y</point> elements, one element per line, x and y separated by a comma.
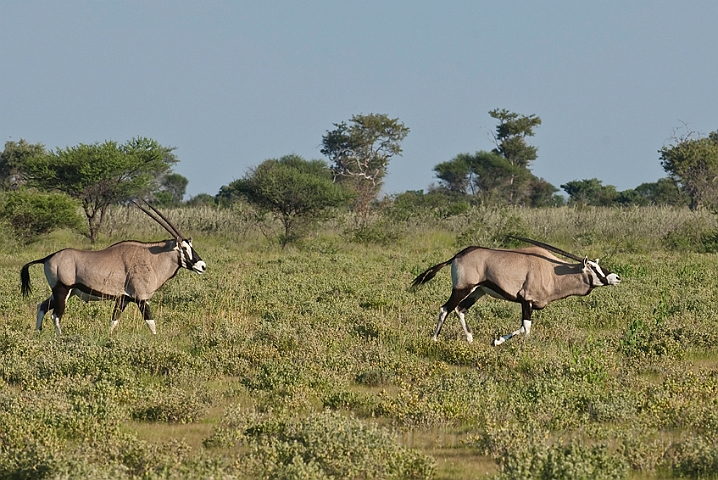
<point>170,405</point>
<point>574,461</point>
<point>693,235</point>
<point>32,214</point>
<point>695,457</point>
<point>329,445</point>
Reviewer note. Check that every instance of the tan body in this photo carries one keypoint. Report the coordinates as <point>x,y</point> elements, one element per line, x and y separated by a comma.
<point>129,268</point>
<point>531,276</point>
<point>128,271</point>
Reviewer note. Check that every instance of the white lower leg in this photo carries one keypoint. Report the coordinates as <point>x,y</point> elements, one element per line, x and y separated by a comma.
<point>113,324</point>
<point>462,319</point>
<point>56,321</point>
<point>525,328</point>
<point>151,324</point>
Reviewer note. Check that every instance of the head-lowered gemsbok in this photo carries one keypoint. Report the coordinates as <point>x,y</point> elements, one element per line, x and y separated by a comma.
<point>530,276</point>
<point>128,271</point>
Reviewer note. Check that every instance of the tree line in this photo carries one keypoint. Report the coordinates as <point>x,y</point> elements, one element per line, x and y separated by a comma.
<point>44,189</point>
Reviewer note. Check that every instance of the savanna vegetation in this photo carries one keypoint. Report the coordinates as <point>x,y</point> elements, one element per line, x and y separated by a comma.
<point>316,361</point>
<point>302,354</point>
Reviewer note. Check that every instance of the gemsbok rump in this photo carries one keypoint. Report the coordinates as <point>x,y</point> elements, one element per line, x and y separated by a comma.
<point>128,271</point>
<point>531,276</point>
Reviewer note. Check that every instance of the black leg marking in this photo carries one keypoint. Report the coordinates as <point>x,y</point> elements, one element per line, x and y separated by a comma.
<point>120,305</point>
<point>145,309</point>
<point>59,295</point>
<point>457,295</point>
<point>42,310</point>
<point>527,309</point>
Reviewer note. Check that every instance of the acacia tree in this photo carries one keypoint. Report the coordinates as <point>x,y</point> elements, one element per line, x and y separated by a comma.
<point>662,192</point>
<point>172,188</point>
<point>693,164</point>
<point>501,175</point>
<point>456,174</point>
<point>511,144</point>
<point>360,153</point>
<point>510,136</point>
<point>293,190</point>
<point>101,174</point>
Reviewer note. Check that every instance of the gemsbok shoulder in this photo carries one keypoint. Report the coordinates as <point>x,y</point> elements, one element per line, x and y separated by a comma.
<point>128,271</point>
<point>531,276</point>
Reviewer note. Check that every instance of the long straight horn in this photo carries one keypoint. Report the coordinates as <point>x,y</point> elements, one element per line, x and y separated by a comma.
<point>163,222</point>
<point>167,220</point>
<point>550,248</point>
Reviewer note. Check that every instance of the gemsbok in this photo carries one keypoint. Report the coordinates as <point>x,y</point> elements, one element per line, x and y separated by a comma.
<point>531,276</point>
<point>128,271</point>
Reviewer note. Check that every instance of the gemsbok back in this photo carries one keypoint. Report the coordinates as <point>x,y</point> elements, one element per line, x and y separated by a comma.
<point>128,271</point>
<point>531,276</point>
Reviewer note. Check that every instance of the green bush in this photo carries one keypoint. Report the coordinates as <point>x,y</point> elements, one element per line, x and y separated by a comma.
<point>693,235</point>
<point>574,461</point>
<point>695,458</point>
<point>32,214</point>
<point>373,232</point>
<point>171,406</point>
<point>329,445</point>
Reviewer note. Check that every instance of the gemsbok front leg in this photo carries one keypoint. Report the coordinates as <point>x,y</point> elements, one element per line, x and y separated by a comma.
<point>147,315</point>
<point>526,310</point>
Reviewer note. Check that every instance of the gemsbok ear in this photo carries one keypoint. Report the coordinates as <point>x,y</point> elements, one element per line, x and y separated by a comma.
<point>585,262</point>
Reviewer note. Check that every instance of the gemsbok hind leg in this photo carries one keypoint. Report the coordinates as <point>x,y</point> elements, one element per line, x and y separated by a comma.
<point>526,310</point>
<point>120,305</point>
<point>147,315</point>
<point>60,294</point>
<point>457,295</point>
<point>42,309</point>
<point>464,307</point>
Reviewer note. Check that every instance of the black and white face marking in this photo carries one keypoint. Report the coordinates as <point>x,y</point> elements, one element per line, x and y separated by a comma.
<point>189,258</point>
<point>601,277</point>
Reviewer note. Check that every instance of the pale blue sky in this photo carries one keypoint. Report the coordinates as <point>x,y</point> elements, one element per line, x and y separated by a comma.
<point>230,84</point>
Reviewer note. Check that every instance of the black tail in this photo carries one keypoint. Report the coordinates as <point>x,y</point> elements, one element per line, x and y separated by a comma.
<point>25,287</point>
<point>430,273</point>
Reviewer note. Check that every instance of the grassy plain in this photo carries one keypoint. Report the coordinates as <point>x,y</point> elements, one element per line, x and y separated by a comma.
<point>317,362</point>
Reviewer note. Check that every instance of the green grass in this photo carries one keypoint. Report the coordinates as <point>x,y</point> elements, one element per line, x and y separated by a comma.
<point>296,363</point>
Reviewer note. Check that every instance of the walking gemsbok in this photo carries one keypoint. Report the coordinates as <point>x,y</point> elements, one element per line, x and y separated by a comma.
<point>128,271</point>
<point>530,276</point>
